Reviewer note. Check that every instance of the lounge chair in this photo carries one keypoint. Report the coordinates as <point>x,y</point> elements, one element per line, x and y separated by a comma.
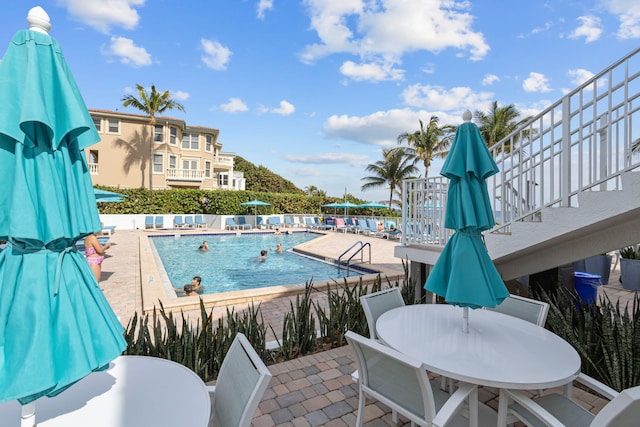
<point>260,223</point>
<point>231,224</point>
<point>309,222</point>
<point>340,224</point>
<point>178,222</point>
<point>188,221</point>
<point>148,221</point>
<point>159,221</point>
<point>297,223</point>
<point>200,222</point>
<point>288,222</point>
<point>372,227</point>
<point>242,222</point>
<point>274,222</point>
<point>108,229</point>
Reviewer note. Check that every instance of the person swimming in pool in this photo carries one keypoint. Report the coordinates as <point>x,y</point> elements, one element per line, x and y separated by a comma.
<point>204,247</point>
<point>263,255</point>
<point>279,248</point>
<point>193,288</point>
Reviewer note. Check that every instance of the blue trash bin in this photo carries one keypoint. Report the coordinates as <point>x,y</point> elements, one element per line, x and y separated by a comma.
<point>586,286</point>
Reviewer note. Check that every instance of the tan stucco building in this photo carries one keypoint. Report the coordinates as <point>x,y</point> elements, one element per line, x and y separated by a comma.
<point>182,156</point>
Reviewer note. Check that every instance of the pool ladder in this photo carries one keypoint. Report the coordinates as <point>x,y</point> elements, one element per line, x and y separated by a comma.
<point>359,250</point>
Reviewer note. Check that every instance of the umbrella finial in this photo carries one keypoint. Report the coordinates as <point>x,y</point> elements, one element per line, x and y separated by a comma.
<point>466,116</point>
<point>38,20</point>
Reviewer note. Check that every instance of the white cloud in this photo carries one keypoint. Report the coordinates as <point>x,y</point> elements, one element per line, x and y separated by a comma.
<point>128,52</point>
<point>546,27</point>
<point>381,128</point>
<point>356,160</point>
<point>591,29</point>
<point>490,79</point>
<point>628,12</point>
<point>286,108</point>
<point>579,76</point>
<point>103,15</point>
<point>439,98</point>
<point>536,82</point>
<point>235,105</point>
<point>215,55</point>
<point>180,95</point>
<point>309,171</point>
<point>263,6</point>
<point>371,71</point>
<point>371,30</point>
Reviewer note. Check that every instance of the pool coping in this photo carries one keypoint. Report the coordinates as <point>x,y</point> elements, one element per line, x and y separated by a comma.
<point>154,289</point>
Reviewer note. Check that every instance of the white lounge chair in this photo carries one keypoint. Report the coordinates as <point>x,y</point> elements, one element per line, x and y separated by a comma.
<point>241,383</point>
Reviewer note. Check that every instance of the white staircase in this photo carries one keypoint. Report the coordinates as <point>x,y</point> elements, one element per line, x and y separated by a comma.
<point>568,187</point>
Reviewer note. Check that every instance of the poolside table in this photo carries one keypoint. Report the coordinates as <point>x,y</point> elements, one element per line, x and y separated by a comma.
<point>499,351</point>
<point>133,391</point>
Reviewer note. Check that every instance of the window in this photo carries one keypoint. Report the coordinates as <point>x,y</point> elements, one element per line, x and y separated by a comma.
<point>207,169</point>
<point>189,164</point>
<point>114,126</point>
<point>223,179</point>
<point>97,122</point>
<point>93,156</point>
<point>173,162</point>
<point>209,143</point>
<point>173,135</point>
<point>158,133</point>
<point>190,141</point>
<point>158,163</point>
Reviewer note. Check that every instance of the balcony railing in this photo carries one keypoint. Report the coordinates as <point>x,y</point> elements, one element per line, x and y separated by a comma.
<point>93,168</point>
<point>583,142</point>
<point>185,175</point>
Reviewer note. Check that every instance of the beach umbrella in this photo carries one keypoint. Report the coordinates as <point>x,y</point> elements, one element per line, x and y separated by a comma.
<point>346,206</point>
<point>372,206</point>
<point>56,326</point>
<point>333,205</point>
<point>464,273</point>
<point>104,196</point>
<point>255,203</point>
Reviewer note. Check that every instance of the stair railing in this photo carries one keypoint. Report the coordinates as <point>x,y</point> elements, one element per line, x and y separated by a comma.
<point>360,250</point>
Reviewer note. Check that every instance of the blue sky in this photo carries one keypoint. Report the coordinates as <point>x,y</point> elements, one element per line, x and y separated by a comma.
<point>315,89</point>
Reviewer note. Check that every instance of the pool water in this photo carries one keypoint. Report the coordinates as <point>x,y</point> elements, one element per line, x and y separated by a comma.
<point>232,262</point>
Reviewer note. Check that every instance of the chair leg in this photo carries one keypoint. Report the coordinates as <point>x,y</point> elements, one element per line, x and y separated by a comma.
<point>361,402</point>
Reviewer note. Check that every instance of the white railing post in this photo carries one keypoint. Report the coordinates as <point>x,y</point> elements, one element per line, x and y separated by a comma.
<point>565,173</point>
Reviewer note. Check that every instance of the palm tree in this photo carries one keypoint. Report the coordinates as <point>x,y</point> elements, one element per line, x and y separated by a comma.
<point>499,123</point>
<point>427,143</point>
<point>390,171</point>
<point>151,103</point>
<point>137,152</point>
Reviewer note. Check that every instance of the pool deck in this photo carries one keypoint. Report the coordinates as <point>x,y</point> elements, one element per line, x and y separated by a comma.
<point>315,390</point>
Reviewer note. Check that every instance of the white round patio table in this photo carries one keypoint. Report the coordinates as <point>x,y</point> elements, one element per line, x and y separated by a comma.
<point>133,391</point>
<point>499,351</point>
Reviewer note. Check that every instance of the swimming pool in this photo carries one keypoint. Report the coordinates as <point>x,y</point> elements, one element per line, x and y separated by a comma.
<point>232,264</point>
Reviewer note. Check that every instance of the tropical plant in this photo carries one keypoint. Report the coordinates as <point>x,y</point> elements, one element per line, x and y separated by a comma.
<point>395,167</point>
<point>312,190</point>
<point>151,103</point>
<point>428,142</point>
<point>498,123</point>
<point>630,252</point>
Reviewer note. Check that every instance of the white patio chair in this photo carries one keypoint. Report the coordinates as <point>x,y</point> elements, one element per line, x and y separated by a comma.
<point>528,309</point>
<point>377,303</point>
<point>403,384</point>
<point>560,410</point>
<point>241,383</point>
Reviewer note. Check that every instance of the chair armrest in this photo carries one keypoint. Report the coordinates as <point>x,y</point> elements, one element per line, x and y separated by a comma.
<point>535,409</point>
<point>597,386</point>
<point>211,389</point>
<point>453,403</point>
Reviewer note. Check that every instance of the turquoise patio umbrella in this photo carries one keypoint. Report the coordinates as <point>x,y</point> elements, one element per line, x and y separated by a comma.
<point>464,273</point>
<point>104,196</point>
<point>255,203</point>
<point>333,205</point>
<point>56,326</point>
<point>372,206</point>
<point>346,206</point>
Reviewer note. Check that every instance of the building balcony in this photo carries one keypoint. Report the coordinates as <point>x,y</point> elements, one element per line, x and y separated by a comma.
<point>93,168</point>
<point>191,175</point>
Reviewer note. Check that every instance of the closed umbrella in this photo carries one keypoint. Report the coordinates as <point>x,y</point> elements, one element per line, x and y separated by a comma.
<point>464,273</point>
<point>56,326</point>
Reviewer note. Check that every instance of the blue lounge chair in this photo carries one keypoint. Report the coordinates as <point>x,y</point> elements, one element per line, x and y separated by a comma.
<point>148,221</point>
<point>274,222</point>
<point>159,221</point>
<point>309,222</point>
<point>178,222</point>
<point>231,224</point>
<point>260,223</point>
<point>200,222</point>
<point>188,221</point>
<point>242,222</point>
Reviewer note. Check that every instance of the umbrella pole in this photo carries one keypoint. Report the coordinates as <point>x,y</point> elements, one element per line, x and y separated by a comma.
<point>465,320</point>
<point>28,415</point>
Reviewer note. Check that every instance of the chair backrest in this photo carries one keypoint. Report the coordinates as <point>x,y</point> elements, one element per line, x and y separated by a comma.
<point>273,220</point>
<point>528,309</point>
<point>231,222</point>
<point>242,220</point>
<point>148,220</point>
<point>189,220</point>
<point>623,411</point>
<point>199,219</point>
<point>393,378</point>
<point>260,221</point>
<point>241,383</point>
<point>159,221</point>
<point>377,303</point>
<point>288,220</point>
<point>339,222</point>
<point>178,220</point>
